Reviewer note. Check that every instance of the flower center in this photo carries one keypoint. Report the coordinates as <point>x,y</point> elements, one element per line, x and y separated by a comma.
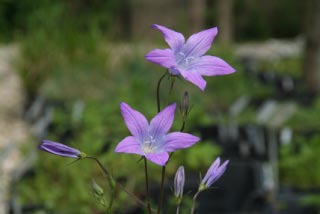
<point>148,145</point>
<point>183,60</point>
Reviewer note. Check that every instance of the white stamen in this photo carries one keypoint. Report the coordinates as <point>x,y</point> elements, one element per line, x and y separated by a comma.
<point>148,145</point>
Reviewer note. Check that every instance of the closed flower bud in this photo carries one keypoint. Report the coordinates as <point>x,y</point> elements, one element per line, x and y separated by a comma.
<point>179,182</point>
<point>213,174</point>
<point>184,106</point>
<point>61,149</point>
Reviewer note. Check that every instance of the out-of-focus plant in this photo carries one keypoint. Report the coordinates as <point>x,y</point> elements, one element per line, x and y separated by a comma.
<point>299,160</point>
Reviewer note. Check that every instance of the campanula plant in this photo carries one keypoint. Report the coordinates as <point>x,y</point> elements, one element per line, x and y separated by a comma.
<point>153,140</point>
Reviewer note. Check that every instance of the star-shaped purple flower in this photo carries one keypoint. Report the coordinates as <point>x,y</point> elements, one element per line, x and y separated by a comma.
<point>152,140</point>
<point>186,58</point>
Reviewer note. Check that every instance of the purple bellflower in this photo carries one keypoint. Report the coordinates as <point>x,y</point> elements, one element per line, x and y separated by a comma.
<point>151,140</point>
<point>179,180</point>
<point>60,149</point>
<point>213,174</point>
<point>186,58</point>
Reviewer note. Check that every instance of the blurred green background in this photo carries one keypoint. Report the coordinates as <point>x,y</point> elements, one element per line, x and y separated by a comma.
<point>92,51</point>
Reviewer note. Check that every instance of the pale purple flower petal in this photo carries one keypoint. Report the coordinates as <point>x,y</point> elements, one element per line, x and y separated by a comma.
<point>179,181</point>
<point>158,158</point>
<point>162,122</point>
<point>211,171</point>
<point>179,140</point>
<point>213,174</point>
<point>129,145</point>
<point>165,57</point>
<point>219,172</point>
<point>211,66</point>
<point>135,121</point>
<point>59,149</point>
<point>186,59</point>
<point>199,43</point>
<point>152,141</point>
<point>194,78</point>
<point>174,39</point>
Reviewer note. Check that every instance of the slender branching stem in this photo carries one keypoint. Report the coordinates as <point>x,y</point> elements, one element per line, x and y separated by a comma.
<point>163,173</point>
<point>110,179</point>
<point>183,125</point>
<point>158,91</point>
<point>171,86</point>
<point>178,206</point>
<point>112,195</point>
<point>194,202</point>
<point>147,185</point>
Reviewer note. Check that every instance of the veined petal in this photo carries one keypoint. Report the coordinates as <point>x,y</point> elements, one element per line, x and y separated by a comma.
<point>195,78</point>
<point>135,121</point>
<point>218,173</point>
<point>158,158</point>
<point>211,66</point>
<point>199,43</point>
<point>164,57</point>
<point>211,171</point>
<point>162,122</point>
<point>59,149</point>
<point>129,145</point>
<point>179,140</point>
<point>174,39</point>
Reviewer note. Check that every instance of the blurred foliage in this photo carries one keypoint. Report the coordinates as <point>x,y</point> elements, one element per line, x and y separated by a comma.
<point>21,18</point>
<point>299,162</point>
<point>312,200</point>
<point>255,20</point>
<point>252,19</point>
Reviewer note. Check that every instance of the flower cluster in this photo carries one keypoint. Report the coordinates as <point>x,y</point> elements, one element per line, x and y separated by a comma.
<point>152,140</point>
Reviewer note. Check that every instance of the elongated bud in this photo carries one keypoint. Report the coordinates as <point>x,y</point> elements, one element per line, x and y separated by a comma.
<point>179,182</point>
<point>213,174</point>
<point>184,106</point>
<point>61,149</point>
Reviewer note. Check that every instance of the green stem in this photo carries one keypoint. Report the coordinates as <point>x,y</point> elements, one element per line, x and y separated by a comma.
<point>161,189</point>
<point>107,175</point>
<point>158,91</point>
<point>147,185</point>
<point>171,86</point>
<point>112,195</point>
<point>194,202</point>
<point>178,208</point>
<point>183,126</point>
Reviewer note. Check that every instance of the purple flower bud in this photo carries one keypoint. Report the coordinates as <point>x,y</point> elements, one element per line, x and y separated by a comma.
<point>184,106</point>
<point>60,149</point>
<point>213,174</point>
<point>179,182</point>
